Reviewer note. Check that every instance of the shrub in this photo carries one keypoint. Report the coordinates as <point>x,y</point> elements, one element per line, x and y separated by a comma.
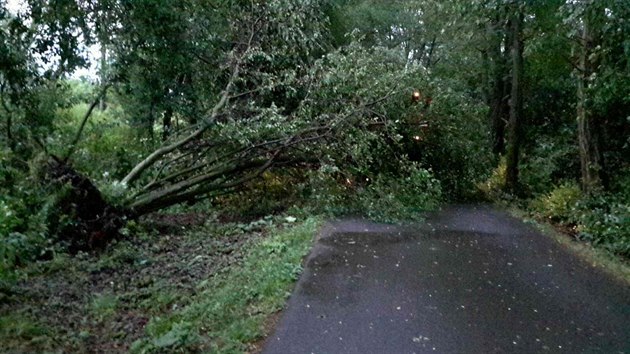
<point>273,192</point>
<point>24,210</point>
<point>494,186</point>
<point>605,221</point>
<point>550,161</point>
<point>559,204</point>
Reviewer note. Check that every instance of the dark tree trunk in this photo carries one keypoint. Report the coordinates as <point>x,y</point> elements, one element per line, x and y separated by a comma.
<point>499,52</point>
<point>151,119</point>
<point>486,82</point>
<point>10,140</point>
<point>167,124</point>
<point>429,60</point>
<point>516,102</point>
<point>93,221</point>
<point>102,103</point>
<point>9,132</point>
<point>590,158</point>
<point>499,110</point>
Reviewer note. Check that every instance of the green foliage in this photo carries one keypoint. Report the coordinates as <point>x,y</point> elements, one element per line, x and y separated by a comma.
<point>456,143</point>
<point>400,197</point>
<point>552,159</point>
<point>25,208</point>
<point>108,146</point>
<point>604,220</point>
<point>560,204</point>
<point>103,305</point>
<point>273,192</point>
<point>229,310</point>
<point>385,197</point>
<point>494,185</point>
<point>19,327</point>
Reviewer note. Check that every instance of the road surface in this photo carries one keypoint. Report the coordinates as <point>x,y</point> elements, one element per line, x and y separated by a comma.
<point>469,280</point>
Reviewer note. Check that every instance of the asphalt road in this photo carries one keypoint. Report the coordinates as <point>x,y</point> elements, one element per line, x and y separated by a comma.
<point>469,280</point>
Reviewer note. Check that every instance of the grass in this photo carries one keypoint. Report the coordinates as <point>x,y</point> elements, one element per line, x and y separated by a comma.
<point>230,309</point>
<point>103,306</point>
<point>200,286</point>
<point>19,331</point>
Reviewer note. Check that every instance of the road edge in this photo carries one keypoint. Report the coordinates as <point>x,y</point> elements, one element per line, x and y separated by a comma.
<point>612,265</point>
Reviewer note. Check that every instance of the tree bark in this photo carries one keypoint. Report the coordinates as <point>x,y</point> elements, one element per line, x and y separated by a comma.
<point>429,61</point>
<point>516,101</point>
<point>590,158</point>
<point>167,123</point>
<point>499,53</point>
<point>9,132</point>
<point>103,74</point>
<point>10,140</point>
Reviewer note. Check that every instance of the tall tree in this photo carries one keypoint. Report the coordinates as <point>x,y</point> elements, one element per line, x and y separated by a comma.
<point>588,125</point>
<point>516,97</point>
<point>499,52</point>
<point>601,29</point>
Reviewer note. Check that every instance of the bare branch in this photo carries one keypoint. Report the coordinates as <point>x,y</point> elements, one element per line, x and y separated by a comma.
<point>137,171</point>
<point>77,137</point>
<point>207,123</point>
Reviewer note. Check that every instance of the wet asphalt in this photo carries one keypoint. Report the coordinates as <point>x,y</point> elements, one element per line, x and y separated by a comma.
<point>469,280</point>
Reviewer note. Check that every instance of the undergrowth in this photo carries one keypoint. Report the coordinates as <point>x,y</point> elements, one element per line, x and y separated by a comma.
<point>198,285</point>
<point>230,309</point>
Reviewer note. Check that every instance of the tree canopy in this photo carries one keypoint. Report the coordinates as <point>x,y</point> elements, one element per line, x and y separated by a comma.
<point>194,100</point>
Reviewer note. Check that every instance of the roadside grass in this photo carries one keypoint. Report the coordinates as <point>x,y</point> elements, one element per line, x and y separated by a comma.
<point>199,286</point>
<point>613,265</point>
<point>229,311</point>
<point>19,328</point>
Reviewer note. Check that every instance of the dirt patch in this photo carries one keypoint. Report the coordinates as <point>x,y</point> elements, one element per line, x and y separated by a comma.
<point>269,327</point>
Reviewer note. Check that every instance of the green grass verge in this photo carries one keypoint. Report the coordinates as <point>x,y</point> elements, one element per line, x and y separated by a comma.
<point>229,310</point>
<point>615,266</point>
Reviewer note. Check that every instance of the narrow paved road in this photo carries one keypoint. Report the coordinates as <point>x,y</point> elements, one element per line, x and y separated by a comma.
<point>469,280</point>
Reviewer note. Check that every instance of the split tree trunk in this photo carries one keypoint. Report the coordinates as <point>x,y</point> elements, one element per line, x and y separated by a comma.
<point>590,158</point>
<point>516,102</point>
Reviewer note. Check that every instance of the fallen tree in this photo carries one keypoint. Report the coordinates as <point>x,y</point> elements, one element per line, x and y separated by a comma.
<point>271,98</point>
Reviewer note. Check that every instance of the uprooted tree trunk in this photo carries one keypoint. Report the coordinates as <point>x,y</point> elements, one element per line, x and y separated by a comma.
<point>92,221</point>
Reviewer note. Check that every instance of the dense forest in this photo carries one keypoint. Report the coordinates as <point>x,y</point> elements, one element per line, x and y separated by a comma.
<point>118,114</point>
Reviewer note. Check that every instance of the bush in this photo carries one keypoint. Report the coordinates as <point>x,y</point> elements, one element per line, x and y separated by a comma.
<point>455,142</point>
<point>550,161</point>
<point>273,192</point>
<point>559,204</point>
<point>603,219</point>
<point>24,210</point>
<point>494,186</point>
<point>605,222</point>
